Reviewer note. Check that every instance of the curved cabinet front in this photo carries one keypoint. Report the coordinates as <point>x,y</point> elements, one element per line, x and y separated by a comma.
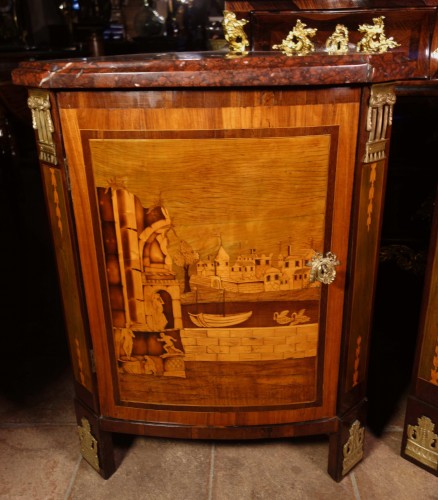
<point>197,215</point>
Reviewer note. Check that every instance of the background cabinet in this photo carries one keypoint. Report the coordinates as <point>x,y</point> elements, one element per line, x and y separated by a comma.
<point>420,434</point>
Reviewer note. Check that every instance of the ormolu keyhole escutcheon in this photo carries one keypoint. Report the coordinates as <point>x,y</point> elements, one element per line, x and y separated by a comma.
<point>323,269</point>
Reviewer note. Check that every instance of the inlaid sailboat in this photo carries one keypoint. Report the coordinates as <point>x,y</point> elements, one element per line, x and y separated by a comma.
<point>219,320</point>
<point>206,320</point>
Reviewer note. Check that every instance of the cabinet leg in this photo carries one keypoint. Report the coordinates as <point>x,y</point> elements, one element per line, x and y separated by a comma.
<point>97,446</point>
<point>420,436</point>
<point>346,447</point>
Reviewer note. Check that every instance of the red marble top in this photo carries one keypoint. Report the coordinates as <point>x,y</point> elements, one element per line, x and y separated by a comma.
<point>215,69</point>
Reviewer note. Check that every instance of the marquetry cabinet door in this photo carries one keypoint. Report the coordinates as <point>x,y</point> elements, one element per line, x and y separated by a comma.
<point>198,216</point>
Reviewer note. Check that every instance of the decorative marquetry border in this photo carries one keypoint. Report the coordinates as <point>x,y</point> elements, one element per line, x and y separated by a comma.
<point>371,192</point>
<point>55,200</point>
<point>434,370</point>
<point>357,361</point>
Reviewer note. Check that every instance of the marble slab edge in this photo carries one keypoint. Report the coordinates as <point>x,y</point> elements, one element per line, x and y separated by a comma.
<point>211,70</point>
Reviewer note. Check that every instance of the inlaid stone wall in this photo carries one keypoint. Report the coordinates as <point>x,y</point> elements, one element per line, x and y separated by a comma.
<point>250,344</point>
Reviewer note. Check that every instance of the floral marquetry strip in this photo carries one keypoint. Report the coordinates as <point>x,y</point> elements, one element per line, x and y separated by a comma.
<point>54,183</point>
<point>371,192</point>
<point>353,448</point>
<point>422,443</point>
<point>434,370</point>
<point>357,361</point>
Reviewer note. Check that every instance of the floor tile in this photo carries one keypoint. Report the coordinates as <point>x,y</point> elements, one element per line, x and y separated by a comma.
<point>52,403</point>
<point>37,462</point>
<point>384,474</point>
<point>153,469</point>
<point>280,470</point>
<point>397,419</point>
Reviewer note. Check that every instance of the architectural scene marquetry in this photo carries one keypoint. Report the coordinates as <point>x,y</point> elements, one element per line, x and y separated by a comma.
<point>204,274</point>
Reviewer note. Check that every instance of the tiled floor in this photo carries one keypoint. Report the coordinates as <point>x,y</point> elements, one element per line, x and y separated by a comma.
<point>40,459</point>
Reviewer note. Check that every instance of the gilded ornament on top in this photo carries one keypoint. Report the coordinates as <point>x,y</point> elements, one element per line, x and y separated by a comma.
<point>337,43</point>
<point>374,40</point>
<point>297,42</point>
<point>235,34</point>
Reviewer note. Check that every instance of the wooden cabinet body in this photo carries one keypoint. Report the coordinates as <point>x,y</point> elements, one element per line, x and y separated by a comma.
<point>420,436</point>
<point>240,197</point>
<point>196,214</point>
<point>189,196</point>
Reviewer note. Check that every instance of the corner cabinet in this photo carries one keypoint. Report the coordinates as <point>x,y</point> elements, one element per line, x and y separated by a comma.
<point>420,435</point>
<point>216,224</point>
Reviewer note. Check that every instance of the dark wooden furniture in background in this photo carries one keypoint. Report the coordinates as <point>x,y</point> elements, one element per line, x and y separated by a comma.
<point>155,147</point>
<point>420,438</point>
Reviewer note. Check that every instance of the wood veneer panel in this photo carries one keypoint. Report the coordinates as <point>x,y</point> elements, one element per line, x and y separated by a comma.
<point>340,115</point>
<point>57,209</point>
<point>366,225</point>
<point>210,98</point>
<point>428,368</point>
<point>272,431</point>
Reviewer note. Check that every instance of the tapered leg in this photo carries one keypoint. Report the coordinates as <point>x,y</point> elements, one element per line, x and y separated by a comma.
<point>97,446</point>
